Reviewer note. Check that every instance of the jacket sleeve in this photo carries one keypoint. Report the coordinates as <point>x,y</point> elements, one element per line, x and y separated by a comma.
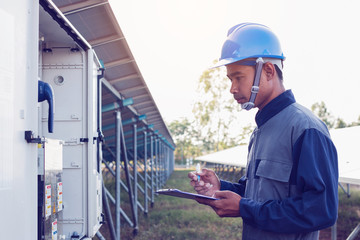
<point>315,174</point>
<point>238,188</point>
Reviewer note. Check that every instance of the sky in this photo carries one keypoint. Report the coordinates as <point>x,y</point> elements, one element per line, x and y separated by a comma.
<point>174,41</point>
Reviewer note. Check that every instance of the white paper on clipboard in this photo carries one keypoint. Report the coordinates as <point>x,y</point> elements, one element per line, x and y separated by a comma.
<point>182,194</point>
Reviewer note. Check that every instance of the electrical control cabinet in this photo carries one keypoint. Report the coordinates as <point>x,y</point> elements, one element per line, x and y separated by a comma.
<point>50,189</point>
<point>73,75</point>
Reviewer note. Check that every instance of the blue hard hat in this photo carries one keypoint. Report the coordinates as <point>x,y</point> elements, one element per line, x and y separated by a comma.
<point>249,40</point>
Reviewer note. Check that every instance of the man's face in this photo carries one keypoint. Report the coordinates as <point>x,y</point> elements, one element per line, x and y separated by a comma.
<point>242,78</point>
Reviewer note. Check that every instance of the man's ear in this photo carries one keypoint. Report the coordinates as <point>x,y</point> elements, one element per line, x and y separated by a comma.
<point>269,70</point>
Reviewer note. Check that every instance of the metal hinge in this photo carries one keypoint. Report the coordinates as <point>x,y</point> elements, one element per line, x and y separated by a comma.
<point>29,137</point>
<point>100,137</point>
<point>84,139</point>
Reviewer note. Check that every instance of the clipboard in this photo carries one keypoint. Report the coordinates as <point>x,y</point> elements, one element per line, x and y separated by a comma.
<point>181,194</point>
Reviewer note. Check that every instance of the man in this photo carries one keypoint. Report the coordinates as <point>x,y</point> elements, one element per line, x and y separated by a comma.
<point>290,187</point>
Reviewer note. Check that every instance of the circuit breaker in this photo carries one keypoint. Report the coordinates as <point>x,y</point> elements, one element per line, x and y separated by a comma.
<point>50,189</point>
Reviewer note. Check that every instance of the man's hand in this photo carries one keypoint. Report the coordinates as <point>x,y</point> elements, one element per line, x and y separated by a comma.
<point>227,206</point>
<point>209,183</point>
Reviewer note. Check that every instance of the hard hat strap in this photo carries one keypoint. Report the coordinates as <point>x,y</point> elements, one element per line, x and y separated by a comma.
<point>255,88</point>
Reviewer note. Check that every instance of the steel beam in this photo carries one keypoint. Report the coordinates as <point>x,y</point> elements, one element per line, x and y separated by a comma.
<point>135,173</point>
<point>118,177</point>
<point>108,213</point>
<point>127,173</point>
<point>145,175</point>
<point>152,168</point>
<point>156,165</point>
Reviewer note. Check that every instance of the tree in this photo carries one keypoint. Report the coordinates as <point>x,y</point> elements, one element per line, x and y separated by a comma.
<point>340,123</point>
<point>356,123</point>
<point>184,136</point>
<point>322,112</point>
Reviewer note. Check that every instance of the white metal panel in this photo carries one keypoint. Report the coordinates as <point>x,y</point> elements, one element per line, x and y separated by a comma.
<point>236,156</point>
<point>75,118</point>
<point>7,82</point>
<point>18,104</point>
<point>346,141</point>
<point>94,209</point>
<point>347,144</point>
<point>69,125</point>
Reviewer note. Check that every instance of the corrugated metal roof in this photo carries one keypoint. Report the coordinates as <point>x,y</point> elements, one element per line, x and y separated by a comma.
<point>96,22</point>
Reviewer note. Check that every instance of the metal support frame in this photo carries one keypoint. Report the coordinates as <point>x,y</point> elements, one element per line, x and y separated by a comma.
<point>156,164</point>
<point>145,174</point>
<point>119,155</point>
<point>333,232</point>
<point>152,168</point>
<point>354,233</point>
<point>228,172</point>
<point>151,154</point>
<point>135,173</point>
<point>100,236</point>
<point>126,168</point>
<point>117,168</point>
<point>347,191</point>
<point>160,160</point>
<point>108,195</point>
<point>108,213</point>
<point>158,157</point>
<point>162,170</point>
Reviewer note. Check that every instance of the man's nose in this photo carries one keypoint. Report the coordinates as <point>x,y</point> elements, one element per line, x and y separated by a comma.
<point>233,88</point>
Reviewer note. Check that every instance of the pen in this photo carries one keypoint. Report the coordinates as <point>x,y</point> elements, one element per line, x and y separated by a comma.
<point>198,170</point>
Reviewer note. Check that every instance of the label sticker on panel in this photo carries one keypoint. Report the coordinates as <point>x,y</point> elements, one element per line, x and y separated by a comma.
<point>59,196</point>
<point>47,200</point>
<point>54,231</point>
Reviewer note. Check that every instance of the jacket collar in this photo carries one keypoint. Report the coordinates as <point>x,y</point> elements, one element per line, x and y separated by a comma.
<point>274,107</point>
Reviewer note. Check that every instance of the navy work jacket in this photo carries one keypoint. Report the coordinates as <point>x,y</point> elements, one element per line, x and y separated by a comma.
<point>290,190</point>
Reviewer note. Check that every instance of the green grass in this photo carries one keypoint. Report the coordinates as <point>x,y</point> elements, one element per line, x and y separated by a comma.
<point>349,212</point>
<point>178,218</point>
